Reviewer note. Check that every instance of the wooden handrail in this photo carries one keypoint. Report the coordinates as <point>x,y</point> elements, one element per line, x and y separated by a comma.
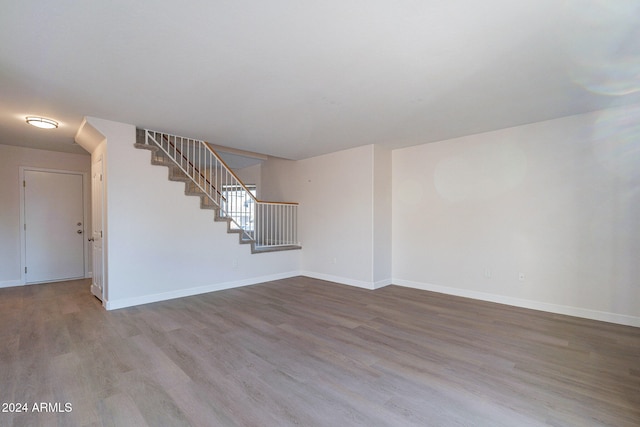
<point>164,136</point>
<point>279,203</point>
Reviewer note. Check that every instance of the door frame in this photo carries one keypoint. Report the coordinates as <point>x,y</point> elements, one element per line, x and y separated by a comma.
<point>86,197</point>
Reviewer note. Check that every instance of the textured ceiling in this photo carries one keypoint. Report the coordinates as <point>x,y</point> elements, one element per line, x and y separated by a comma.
<point>296,79</point>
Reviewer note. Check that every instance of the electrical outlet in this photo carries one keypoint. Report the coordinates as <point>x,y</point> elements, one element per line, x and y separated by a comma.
<point>521,277</point>
<point>487,273</point>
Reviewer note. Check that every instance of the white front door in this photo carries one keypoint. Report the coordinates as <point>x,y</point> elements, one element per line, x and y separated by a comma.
<point>53,226</point>
<point>96,234</point>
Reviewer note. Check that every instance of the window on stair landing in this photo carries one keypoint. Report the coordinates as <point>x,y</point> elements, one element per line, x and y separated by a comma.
<point>239,205</point>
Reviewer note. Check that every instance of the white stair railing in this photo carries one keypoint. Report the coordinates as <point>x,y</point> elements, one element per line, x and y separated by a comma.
<point>276,223</point>
<point>266,224</point>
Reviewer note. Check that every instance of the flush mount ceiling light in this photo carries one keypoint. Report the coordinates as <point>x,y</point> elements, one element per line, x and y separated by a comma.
<point>41,122</point>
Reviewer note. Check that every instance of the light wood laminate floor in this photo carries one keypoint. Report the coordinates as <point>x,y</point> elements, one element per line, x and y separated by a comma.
<point>306,352</point>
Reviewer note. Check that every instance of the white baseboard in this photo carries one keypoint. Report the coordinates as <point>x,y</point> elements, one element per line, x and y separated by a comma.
<point>10,283</point>
<point>382,283</point>
<point>346,281</point>
<point>483,296</point>
<point>181,293</point>
<point>586,313</point>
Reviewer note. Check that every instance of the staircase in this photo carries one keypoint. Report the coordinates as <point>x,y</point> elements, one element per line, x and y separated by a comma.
<point>266,226</point>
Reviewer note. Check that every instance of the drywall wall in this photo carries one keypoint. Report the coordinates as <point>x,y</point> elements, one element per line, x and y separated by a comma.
<point>11,159</point>
<point>279,181</point>
<point>335,220</point>
<point>161,245</point>
<point>344,214</point>
<point>336,213</point>
<point>382,211</point>
<point>556,201</point>
<point>251,175</point>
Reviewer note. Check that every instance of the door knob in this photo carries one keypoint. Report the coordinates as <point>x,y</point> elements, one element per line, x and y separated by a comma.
<point>79,231</point>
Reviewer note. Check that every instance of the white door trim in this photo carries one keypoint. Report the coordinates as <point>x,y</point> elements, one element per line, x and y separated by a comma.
<point>85,208</point>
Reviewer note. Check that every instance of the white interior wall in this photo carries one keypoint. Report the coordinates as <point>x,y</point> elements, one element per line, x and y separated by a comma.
<point>161,245</point>
<point>251,175</point>
<point>279,181</point>
<point>335,221</point>
<point>11,159</point>
<point>382,211</point>
<point>558,201</point>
